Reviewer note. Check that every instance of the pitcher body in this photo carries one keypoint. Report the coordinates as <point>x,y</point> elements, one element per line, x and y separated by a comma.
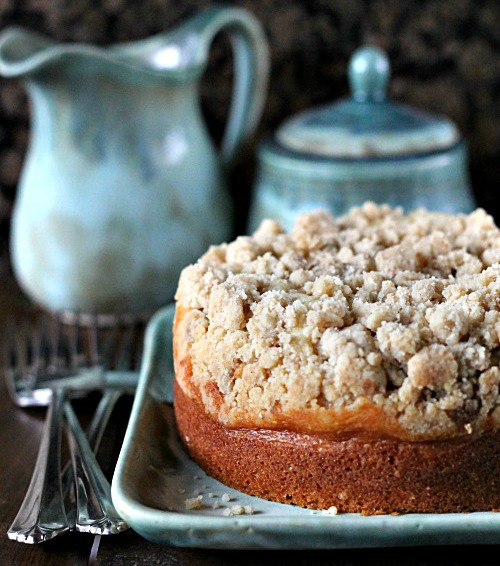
<point>116,196</point>
<point>122,185</point>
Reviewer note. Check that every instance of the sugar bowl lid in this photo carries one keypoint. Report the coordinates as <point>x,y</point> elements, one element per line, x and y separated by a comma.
<point>366,125</point>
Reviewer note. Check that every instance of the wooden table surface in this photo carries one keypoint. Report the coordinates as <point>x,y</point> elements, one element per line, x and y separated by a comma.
<point>20,433</point>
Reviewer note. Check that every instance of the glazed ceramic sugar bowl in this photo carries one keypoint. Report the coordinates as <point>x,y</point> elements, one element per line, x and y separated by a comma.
<point>365,147</point>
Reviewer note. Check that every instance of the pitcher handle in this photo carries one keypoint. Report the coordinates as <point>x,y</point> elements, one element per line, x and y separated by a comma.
<point>251,59</point>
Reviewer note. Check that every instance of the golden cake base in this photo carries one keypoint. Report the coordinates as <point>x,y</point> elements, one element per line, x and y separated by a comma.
<point>358,475</point>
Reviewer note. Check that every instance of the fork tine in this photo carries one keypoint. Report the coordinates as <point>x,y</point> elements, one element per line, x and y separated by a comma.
<point>54,340</point>
<point>48,346</point>
<point>43,347</point>
<point>36,349</point>
<point>9,358</point>
<point>9,345</point>
<point>139,344</point>
<point>72,327</point>
<point>108,350</point>
<point>20,350</point>
<point>125,354</point>
<point>20,362</point>
<point>25,368</point>
<point>93,340</point>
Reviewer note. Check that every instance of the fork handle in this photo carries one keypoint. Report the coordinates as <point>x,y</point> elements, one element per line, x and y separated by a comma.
<point>42,515</point>
<point>94,434</point>
<point>101,416</point>
<point>95,511</point>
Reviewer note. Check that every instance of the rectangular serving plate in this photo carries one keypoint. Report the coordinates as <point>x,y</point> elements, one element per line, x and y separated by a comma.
<point>154,477</point>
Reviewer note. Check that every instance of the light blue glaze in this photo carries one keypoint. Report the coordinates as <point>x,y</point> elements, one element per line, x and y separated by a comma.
<point>122,185</point>
<point>365,147</point>
<point>369,72</point>
<point>287,186</point>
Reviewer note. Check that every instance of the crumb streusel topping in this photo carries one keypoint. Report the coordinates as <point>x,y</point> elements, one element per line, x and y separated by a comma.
<point>373,313</point>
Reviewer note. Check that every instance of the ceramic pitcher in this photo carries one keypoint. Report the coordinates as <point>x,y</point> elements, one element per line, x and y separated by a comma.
<point>122,185</point>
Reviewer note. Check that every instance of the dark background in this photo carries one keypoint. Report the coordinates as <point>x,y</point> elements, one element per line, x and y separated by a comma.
<point>445,57</point>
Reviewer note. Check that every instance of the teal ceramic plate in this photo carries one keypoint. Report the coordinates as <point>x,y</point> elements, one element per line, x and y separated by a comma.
<point>154,477</point>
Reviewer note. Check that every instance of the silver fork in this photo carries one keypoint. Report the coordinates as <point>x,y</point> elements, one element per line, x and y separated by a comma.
<point>95,512</point>
<point>42,514</point>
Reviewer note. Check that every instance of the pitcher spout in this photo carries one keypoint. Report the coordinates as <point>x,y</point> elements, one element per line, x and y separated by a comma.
<point>23,52</point>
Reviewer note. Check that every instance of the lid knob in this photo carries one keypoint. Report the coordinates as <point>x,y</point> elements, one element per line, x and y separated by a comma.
<point>369,72</point>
